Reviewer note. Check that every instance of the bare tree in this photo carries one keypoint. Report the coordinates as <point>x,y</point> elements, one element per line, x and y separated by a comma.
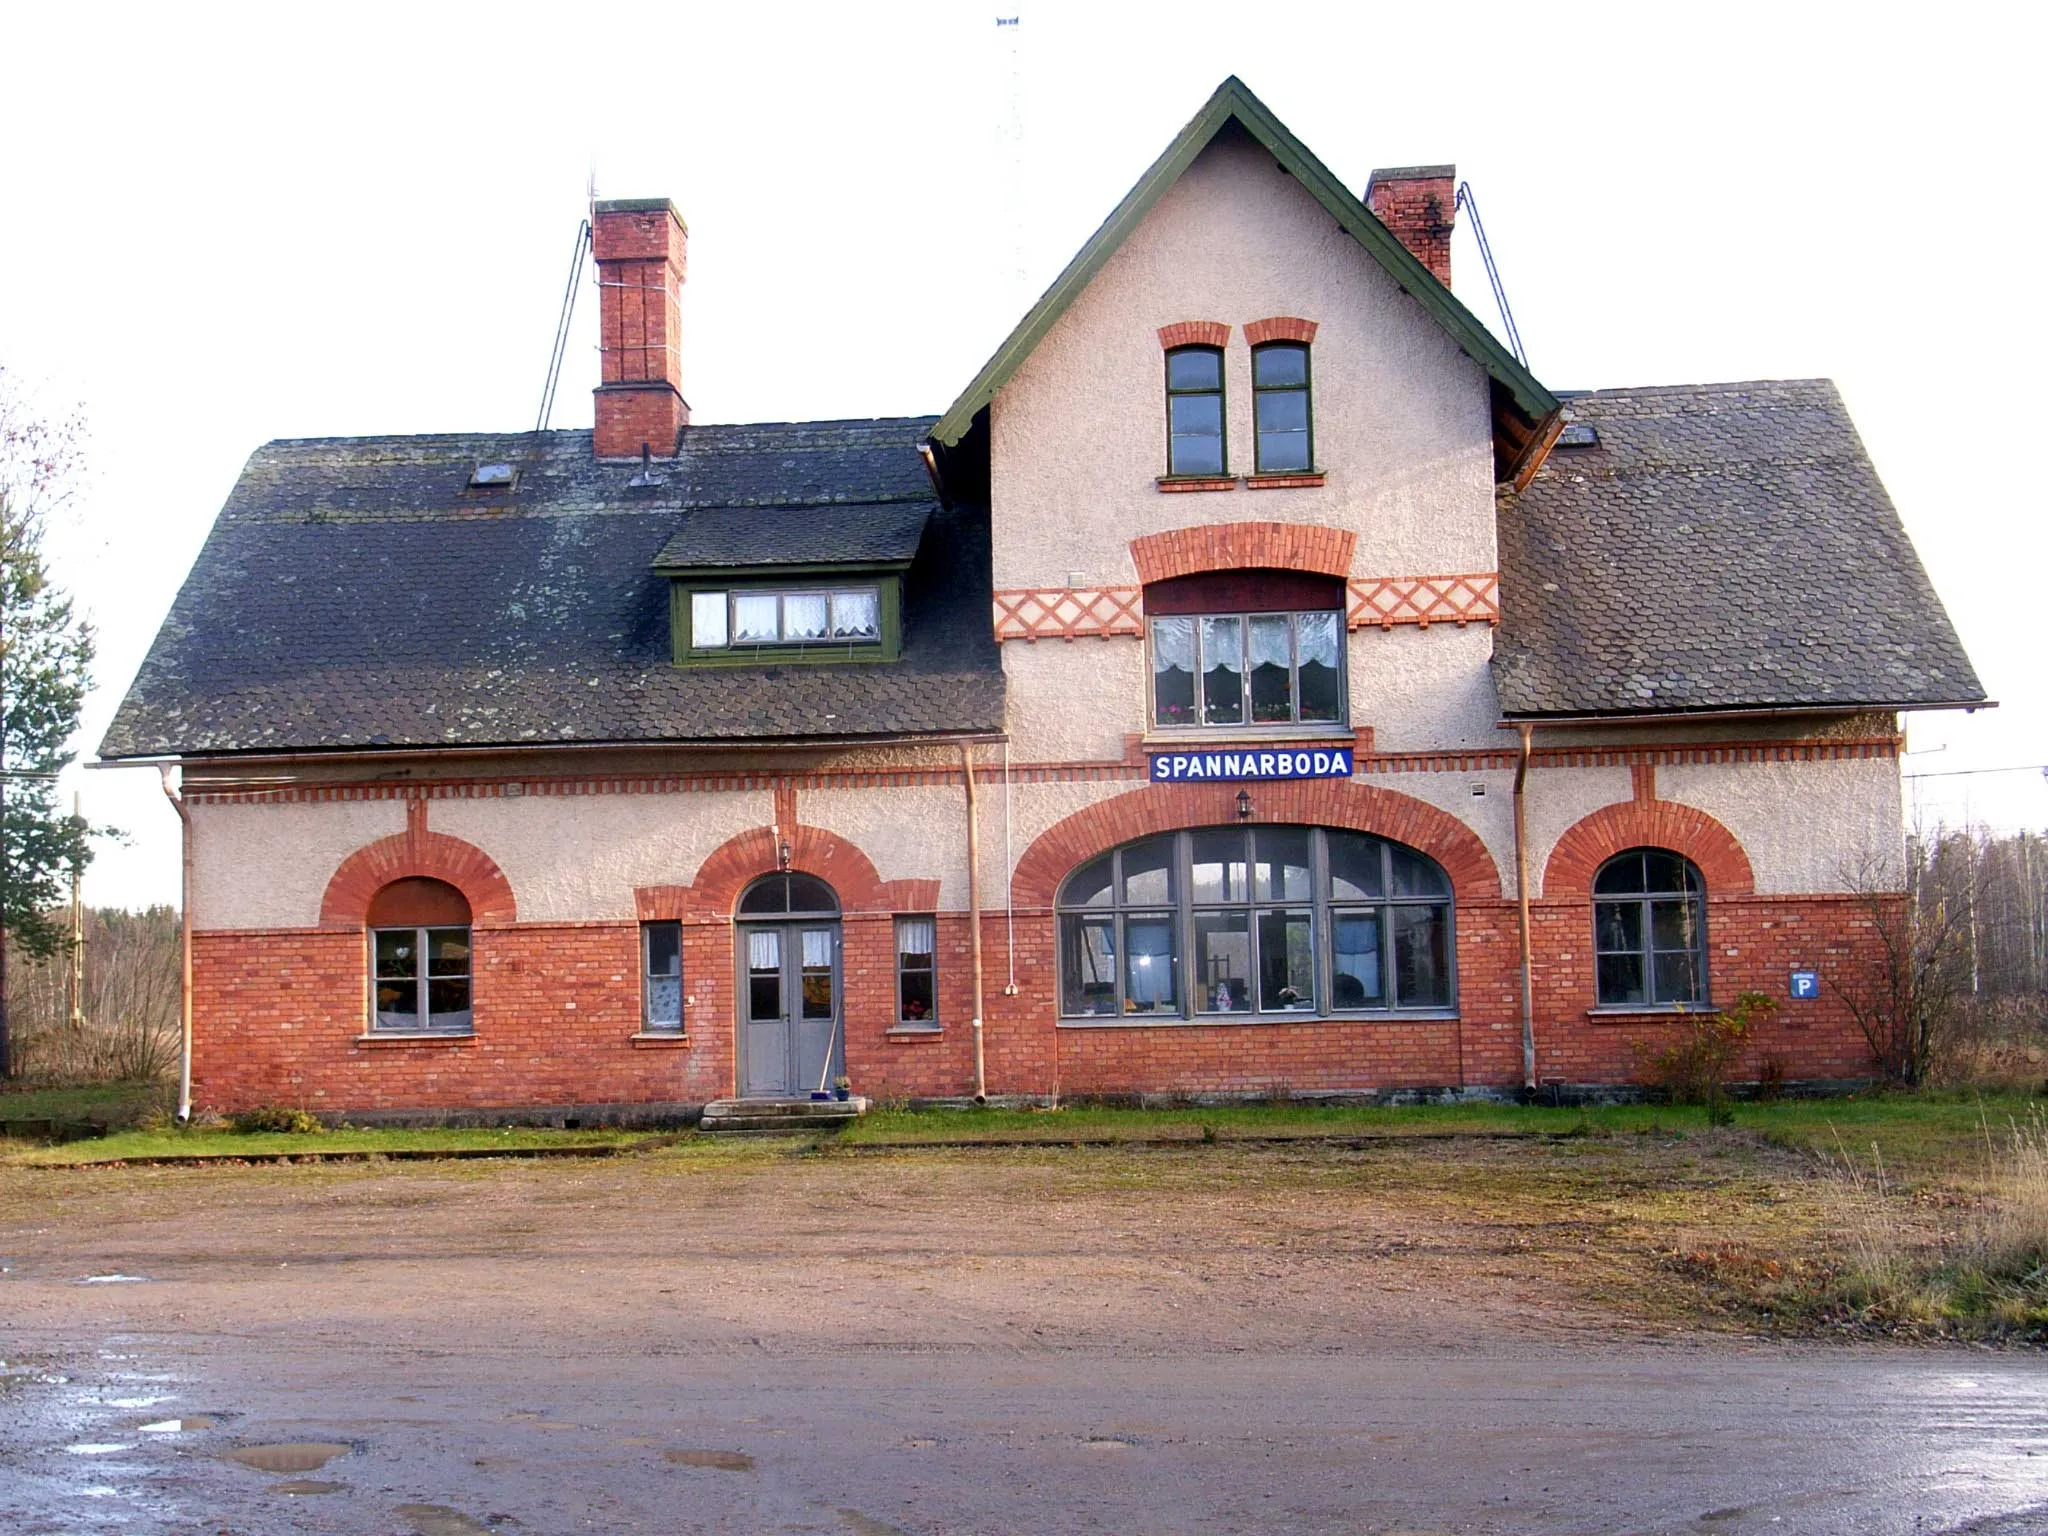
<point>1911,1001</point>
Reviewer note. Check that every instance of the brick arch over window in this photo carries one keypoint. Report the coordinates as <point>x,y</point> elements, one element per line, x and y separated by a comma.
<point>1065,846</point>
<point>1280,328</point>
<point>1194,333</point>
<point>418,855</point>
<point>737,863</point>
<point>1231,546</point>
<point>1589,843</point>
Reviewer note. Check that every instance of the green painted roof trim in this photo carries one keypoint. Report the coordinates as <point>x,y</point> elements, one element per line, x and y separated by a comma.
<point>1234,100</point>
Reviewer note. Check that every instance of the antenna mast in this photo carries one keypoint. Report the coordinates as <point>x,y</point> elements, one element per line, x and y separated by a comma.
<point>1010,144</point>
<point>1470,204</point>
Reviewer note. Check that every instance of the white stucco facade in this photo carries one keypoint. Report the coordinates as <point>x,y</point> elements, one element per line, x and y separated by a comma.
<point>266,863</point>
<point>1401,419</point>
<point>1806,826</point>
<point>579,858</point>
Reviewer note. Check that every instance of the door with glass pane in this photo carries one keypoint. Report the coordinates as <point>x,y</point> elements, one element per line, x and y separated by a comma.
<point>789,1015</point>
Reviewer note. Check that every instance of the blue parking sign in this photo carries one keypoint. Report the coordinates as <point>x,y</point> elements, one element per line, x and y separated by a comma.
<point>1806,984</point>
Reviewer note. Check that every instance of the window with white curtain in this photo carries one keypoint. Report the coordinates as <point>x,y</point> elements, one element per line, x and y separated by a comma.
<point>917,953</point>
<point>661,953</point>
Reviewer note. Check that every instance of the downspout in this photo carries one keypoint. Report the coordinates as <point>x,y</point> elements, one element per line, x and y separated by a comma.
<point>1522,904</point>
<point>974,915</point>
<point>177,800</point>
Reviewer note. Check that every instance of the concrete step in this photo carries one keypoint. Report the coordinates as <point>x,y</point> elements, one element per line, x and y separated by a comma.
<point>780,1116</point>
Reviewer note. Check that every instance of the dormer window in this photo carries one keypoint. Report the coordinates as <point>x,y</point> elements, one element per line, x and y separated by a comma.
<point>1281,423</point>
<point>846,621</point>
<point>1194,411</point>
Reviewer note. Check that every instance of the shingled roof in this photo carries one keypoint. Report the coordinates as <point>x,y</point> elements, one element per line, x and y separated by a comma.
<point>1718,547</point>
<point>360,592</point>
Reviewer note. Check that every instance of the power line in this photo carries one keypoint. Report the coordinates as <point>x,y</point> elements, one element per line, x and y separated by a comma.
<point>1958,773</point>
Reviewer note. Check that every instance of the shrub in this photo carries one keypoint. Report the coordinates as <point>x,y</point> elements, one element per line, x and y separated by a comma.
<point>1695,1069</point>
<point>276,1117</point>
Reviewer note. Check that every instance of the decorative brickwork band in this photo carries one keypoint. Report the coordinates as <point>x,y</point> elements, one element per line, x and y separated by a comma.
<point>1243,546</point>
<point>420,853</point>
<point>1068,844</point>
<point>1066,613</point>
<point>1426,600</point>
<point>1592,841</point>
<point>1280,328</point>
<point>1194,333</point>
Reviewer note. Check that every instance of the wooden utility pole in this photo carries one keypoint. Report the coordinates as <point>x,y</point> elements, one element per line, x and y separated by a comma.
<point>75,985</point>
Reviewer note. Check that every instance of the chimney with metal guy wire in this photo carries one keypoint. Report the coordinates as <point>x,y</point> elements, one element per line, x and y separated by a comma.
<point>638,245</point>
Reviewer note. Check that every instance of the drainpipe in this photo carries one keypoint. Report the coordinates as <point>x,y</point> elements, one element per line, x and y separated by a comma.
<point>1522,903</point>
<point>974,915</point>
<point>177,800</point>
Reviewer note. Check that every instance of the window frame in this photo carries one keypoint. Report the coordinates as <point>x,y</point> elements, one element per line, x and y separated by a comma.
<point>886,587</point>
<point>1306,389</point>
<point>1193,1001</point>
<point>1645,950</point>
<point>422,979</point>
<point>649,1025</point>
<point>1222,396</point>
<point>1245,722</point>
<point>930,970</point>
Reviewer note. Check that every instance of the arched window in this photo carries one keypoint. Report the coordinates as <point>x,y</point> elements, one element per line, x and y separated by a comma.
<point>419,959</point>
<point>788,896</point>
<point>1194,411</point>
<point>1218,922</point>
<point>1650,930</point>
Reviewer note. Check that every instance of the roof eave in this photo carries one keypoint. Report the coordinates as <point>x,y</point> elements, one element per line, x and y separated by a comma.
<point>1512,718</point>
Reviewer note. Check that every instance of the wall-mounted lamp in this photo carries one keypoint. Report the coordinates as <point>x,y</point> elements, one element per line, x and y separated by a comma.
<point>1244,805</point>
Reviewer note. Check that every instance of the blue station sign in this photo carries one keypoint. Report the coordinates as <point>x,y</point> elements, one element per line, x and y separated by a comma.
<point>1238,763</point>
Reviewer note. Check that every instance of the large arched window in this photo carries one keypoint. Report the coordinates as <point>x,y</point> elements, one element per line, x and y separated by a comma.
<point>1222,922</point>
<point>1650,930</point>
<point>419,959</point>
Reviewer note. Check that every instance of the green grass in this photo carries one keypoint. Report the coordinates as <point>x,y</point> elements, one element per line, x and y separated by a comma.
<point>236,1144</point>
<point>109,1104</point>
<point>1923,1135</point>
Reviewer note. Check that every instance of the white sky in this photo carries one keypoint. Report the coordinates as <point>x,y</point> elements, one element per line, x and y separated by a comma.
<point>222,227</point>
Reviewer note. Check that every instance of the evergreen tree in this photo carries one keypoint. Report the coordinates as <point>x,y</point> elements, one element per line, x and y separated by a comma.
<point>45,650</point>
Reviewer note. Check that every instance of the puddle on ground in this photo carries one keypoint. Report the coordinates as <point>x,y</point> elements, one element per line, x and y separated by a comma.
<point>299,1456</point>
<point>305,1486</point>
<point>115,1280</point>
<point>868,1525</point>
<point>1107,1443</point>
<point>140,1402</point>
<point>97,1449</point>
<point>724,1461</point>
<point>919,1443</point>
<point>440,1520</point>
<point>177,1426</point>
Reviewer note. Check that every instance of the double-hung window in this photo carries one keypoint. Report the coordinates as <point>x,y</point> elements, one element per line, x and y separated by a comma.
<point>661,977</point>
<point>422,980</point>
<point>1282,429</point>
<point>917,996</point>
<point>1194,411</point>
<point>1248,669</point>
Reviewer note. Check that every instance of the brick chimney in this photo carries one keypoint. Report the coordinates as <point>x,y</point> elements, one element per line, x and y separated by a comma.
<point>1418,204</point>
<point>638,245</point>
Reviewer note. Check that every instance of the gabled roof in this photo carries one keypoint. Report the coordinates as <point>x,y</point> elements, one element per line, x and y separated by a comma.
<point>360,593</point>
<point>1715,548</point>
<point>1516,392</point>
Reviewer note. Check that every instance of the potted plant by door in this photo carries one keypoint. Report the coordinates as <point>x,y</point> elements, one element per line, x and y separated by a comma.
<point>842,1088</point>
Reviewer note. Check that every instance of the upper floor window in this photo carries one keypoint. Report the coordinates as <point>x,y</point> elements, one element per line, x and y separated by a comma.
<point>1248,669</point>
<point>1194,411</point>
<point>813,616</point>
<point>1650,930</point>
<point>1281,423</point>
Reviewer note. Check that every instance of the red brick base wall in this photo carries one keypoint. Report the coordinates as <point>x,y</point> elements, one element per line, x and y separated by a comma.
<point>279,1018</point>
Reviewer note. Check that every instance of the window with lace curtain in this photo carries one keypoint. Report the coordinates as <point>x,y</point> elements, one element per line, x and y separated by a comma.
<point>917,953</point>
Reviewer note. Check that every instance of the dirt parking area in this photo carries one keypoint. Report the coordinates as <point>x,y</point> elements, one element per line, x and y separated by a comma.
<point>1465,1334</point>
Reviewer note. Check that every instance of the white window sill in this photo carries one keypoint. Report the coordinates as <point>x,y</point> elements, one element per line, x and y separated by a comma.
<point>418,1037</point>
<point>659,1037</point>
<point>915,1031</point>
